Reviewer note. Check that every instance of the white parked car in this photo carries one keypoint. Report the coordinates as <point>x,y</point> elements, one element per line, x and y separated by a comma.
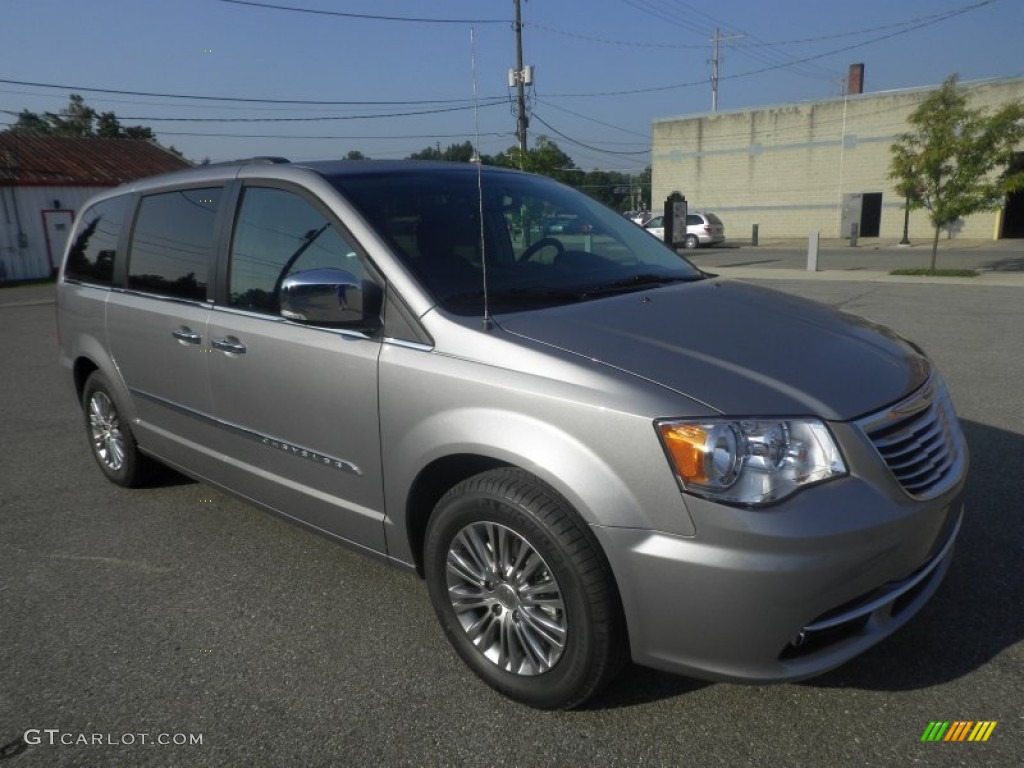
<point>701,229</point>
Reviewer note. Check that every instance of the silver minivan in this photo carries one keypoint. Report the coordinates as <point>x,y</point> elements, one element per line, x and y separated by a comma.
<point>591,450</point>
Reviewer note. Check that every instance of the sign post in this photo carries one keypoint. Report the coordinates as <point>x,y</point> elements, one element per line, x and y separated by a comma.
<point>675,220</point>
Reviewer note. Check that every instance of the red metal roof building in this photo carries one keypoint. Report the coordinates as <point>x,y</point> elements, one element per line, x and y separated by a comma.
<point>45,179</point>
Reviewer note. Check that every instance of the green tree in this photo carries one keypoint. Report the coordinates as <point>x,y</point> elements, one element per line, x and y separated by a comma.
<point>76,119</point>
<point>455,153</point>
<point>545,158</point>
<point>954,160</point>
<point>355,154</point>
<point>79,120</point>
<point>30,122</point>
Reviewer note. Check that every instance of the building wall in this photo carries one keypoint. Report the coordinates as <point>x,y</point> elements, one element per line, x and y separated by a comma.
<point>788,168</point>
<point>25,206</point>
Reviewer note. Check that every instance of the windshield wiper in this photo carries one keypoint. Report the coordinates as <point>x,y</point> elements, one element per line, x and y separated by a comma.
<point>516,295</point>
<point>643,280</point>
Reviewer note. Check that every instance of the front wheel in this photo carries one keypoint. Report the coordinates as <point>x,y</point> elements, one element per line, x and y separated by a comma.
<point>523,591</point>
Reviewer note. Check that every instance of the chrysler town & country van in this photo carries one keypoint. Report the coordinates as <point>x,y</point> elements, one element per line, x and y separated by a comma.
<point>591,450</point>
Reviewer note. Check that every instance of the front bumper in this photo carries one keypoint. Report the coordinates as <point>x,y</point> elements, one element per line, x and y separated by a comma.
<point>784,593</point>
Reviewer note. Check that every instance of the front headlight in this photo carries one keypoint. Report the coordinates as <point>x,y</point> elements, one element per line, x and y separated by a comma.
<point>750,462</point>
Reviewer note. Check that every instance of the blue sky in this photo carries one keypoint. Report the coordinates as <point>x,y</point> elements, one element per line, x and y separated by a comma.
<point>603,69</point>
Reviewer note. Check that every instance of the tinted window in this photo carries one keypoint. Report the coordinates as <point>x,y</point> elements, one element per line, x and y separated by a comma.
<point>693,220</point>
<point>172,243</point>
<point>713,219</point>
<point>94,250</point>
<point>277,233</point>
<point>545,243</point>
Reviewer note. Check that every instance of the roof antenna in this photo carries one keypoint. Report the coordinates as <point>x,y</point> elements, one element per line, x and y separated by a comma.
<point>479,182</point>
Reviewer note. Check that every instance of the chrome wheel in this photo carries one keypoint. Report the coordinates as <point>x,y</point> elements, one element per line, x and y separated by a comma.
<point>105,432</point>
<point>506,599</point>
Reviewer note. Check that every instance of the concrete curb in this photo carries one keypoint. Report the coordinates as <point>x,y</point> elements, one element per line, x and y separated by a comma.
<point>987,279</point>
<point>41,303</point>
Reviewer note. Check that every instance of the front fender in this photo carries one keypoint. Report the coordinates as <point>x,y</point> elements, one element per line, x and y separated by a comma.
<point>589,481</point>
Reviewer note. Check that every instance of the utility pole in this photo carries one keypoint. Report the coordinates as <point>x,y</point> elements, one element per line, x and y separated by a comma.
<point>520,77</point>
<point>714,66</point>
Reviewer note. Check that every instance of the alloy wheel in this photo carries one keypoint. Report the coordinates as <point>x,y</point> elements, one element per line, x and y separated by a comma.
<point>105,431</point>
<point>506,598</point>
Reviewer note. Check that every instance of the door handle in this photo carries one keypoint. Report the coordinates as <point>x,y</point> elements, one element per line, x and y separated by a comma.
<point>229,344</point>
<point>186,335</point>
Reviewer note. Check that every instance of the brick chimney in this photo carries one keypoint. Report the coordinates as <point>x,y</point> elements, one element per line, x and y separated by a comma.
<point>855,80</point>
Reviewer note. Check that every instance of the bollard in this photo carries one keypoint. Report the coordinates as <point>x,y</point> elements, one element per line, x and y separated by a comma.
<point>753,236</point>
<point>854,231</point>
<point>812,252</point>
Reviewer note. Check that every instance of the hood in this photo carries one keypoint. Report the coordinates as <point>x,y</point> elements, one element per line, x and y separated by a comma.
<point>738,348</point>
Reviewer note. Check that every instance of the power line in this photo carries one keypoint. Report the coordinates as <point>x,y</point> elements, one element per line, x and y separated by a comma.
<point>246,100</point>
<point>365,16</point>
<point>592,119</point>
<point>294,119</point>
<point>654,89</point>
<point>317,119</point>
<point>425,136</point>
<point>630,43</point>
<point>763,56</point>
<point>578,143</point>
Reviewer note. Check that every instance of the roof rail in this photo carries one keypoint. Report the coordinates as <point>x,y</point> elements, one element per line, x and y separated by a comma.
<point>260,160</point>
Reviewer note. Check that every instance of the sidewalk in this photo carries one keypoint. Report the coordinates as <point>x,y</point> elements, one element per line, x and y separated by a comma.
<point>884,244</point>
<point>998,262</point>
<point>989,279</point>
<point>27,295</point>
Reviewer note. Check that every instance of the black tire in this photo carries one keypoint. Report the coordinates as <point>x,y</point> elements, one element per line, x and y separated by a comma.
<point>692,241</point>
<point>110,435</point>
<point>568,587</point>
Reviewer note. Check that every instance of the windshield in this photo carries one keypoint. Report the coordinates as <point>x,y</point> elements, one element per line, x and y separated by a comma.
<point>545,243</point>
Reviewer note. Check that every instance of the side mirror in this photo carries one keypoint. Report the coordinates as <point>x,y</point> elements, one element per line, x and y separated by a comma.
<point>334,298</point>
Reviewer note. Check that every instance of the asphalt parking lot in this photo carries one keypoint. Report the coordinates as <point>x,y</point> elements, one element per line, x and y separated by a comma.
<point>177,610</point>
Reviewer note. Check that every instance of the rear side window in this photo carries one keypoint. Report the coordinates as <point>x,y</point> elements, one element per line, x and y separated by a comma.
<point>172,243</point>
<point>94,250</point>
<point>278,234</point>
<point>693,220</point>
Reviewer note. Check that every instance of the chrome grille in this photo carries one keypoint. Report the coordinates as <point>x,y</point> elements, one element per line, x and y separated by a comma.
<point>919,439</point>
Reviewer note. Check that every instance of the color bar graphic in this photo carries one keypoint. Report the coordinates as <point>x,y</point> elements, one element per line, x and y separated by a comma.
<point>982,730</point>
<point>958,730</point>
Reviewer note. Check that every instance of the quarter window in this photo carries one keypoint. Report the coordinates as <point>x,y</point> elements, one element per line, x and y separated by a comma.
<point>173,242</point>
<point>277,234</point>
<point>93,253</point>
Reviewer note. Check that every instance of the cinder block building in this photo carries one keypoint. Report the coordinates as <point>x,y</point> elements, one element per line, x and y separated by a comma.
<point>45,179</point>
<point>815,166</point>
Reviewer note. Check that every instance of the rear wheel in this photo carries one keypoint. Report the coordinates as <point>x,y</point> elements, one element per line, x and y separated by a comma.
<point>110,436</point>
<point>692,241</point>
<point>523,591</point>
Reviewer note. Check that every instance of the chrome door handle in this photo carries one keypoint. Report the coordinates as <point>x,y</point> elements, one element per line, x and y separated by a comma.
<point>229,344</point>
<point>186,335</point>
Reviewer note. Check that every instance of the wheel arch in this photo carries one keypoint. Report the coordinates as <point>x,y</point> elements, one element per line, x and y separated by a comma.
<point>433,482</point>
<point>81,370</point>
<point>422,470</point>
